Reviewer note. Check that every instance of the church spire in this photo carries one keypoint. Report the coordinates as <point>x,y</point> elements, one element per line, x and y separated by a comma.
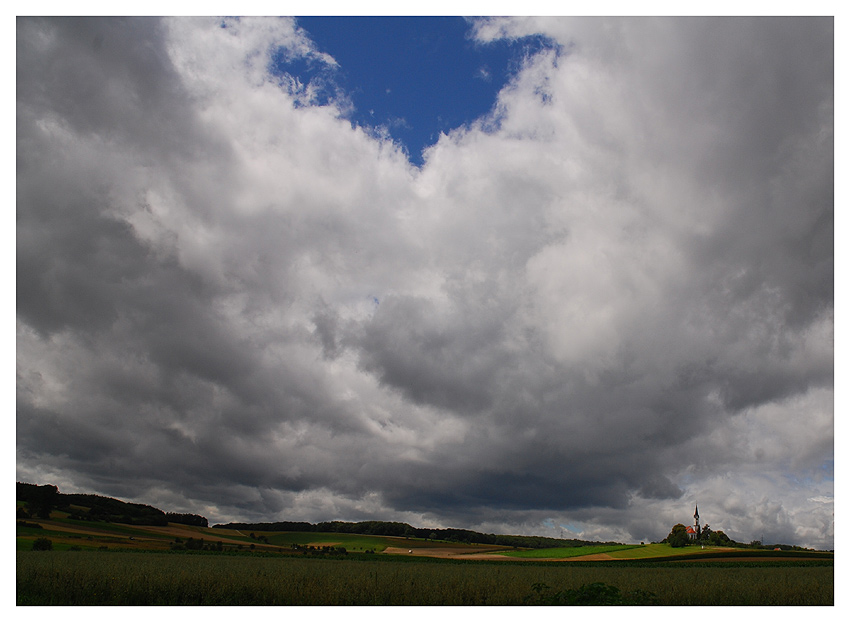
<point>696,520</point>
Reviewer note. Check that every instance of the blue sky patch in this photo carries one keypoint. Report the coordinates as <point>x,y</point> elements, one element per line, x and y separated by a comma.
<point>415,77</point>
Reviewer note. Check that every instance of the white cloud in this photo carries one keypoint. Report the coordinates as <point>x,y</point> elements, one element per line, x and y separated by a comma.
<point>609,297</point>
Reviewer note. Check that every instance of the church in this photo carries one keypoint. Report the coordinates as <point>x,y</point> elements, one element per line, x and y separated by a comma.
<point>694,530</point>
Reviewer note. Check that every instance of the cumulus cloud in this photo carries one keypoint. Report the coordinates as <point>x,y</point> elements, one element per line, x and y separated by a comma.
<point>608,299</point>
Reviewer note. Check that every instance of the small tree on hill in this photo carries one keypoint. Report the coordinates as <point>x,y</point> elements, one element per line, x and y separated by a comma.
<point>678,536</point>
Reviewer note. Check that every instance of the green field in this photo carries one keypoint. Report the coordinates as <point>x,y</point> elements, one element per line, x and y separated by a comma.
<point>571,551</point>
<point>120,578</point>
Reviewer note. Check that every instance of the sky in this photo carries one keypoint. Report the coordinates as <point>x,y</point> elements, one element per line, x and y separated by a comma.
<point>412,78</point>
<point>555,276</point>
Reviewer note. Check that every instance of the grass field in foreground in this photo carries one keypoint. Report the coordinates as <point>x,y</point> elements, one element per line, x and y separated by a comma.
<point>116,578</point>
<point>570,551</point>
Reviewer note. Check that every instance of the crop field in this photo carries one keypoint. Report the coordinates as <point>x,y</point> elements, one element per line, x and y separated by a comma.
<point>134,578</point>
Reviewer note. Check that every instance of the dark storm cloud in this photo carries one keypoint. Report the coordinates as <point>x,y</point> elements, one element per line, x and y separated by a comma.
<point>449,362</point>
<point>590,307</point>
<point>107,76</point>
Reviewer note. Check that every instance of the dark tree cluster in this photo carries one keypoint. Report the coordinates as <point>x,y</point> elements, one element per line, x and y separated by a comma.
<point>41,500</point>
<point>715,538</point>
<point>320,551</point>
<point>187,519</point>
<point>678,537</point>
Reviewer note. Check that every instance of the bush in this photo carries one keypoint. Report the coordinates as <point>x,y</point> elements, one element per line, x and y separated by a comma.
<point>42,544</point>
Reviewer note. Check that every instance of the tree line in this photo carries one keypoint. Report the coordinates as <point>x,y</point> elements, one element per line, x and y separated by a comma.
<point>42,500</point>
<point>678,537</point>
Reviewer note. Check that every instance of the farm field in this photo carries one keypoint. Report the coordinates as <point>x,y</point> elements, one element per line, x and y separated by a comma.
<point>66,533</point>
<point>351,542</point>
<point>133,578</point>
<point>572,551</point>
<point>97,563</point>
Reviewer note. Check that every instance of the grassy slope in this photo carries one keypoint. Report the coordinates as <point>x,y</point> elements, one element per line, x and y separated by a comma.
<point>573,551</point>
<point>648,551</point>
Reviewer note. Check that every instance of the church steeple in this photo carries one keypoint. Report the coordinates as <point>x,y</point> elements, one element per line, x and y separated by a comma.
<point>696,520</point>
